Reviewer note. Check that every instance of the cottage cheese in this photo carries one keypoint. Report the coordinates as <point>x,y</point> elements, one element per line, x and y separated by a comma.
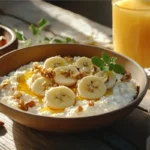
<point>120,95</point>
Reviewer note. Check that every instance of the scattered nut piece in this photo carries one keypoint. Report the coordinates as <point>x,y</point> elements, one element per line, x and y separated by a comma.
<point>22,105</point>
<point>79,109</point>
<point>47,73</point>
<point>1,124</point>
<point>66,73</point>
<point>30,104</point>
<point>26,106</point>
<point>126,77</point>
<point>36,68</point>
<point>13,89</point>
<point>17,95</point>
<point>91,103</point>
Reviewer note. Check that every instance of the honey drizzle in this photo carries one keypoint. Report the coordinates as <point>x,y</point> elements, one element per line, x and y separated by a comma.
<point>22,85</point>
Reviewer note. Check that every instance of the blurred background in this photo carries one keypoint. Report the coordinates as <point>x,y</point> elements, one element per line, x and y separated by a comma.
<point>97,10</point>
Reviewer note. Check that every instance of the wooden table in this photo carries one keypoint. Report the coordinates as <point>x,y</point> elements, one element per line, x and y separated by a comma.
<point>129,133</point>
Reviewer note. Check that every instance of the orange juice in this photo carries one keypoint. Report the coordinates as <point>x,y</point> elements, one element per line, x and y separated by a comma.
<point>131,29</point>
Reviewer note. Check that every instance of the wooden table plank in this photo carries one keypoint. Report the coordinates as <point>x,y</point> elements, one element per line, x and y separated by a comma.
<point>18,137</point>
<point>63,22</point>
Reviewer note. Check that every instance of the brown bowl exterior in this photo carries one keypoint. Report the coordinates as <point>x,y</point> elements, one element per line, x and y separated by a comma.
<point>12,42</point>
<point>17,58</point>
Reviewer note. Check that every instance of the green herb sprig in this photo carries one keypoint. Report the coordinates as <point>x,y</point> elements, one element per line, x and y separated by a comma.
<point>39,26</point>
<point>106,63</point>
<point>36,30</point>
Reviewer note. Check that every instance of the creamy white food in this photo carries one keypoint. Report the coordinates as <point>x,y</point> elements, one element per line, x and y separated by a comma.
<point>66,87</point>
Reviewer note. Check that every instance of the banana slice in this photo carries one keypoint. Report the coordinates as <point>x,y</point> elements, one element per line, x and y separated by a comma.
<point>40,85</point>
<point>31,80</point>
<point>54,62</point>
<point>84,64</point>
<point>103,75</point>
<point>91,87</point>
<point>59,97</point>
<point>111,79</point>
<point>108,77</point>
<point>65,75</point>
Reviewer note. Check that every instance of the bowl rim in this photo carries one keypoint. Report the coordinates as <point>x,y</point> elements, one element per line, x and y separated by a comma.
<point>142,94</point>
<point>12,34</point>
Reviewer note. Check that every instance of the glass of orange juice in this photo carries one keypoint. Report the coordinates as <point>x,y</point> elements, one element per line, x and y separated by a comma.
<point>131,29</point>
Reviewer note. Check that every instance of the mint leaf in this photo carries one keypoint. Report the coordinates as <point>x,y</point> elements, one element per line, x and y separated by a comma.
<point>19,35</point>
<point>46,39</point>
<point>34,29</point>
<point>118,68</point>
<point>105,68</point>
<point>113,59</point>
<point>69,40</point>
<point>97,61</point>
<point>42,24</point>
<point>111,67</point>
<point>106,63</point>
<point>106,58</point>
<point>57,41</point>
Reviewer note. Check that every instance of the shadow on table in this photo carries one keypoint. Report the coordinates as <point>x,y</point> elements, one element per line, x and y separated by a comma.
<point>101,139</point>
<point>129,133</point>
<point>26,138</point>
<point>64,24</point>
<point>3,131</point>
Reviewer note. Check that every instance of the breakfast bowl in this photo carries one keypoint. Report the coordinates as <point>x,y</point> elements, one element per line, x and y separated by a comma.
<point>57,123</point>
<point>8,40</point>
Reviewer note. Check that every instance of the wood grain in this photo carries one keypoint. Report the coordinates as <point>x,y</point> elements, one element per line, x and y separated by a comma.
<point>17,137</point>
<point>123,135</point>
<point>63,22</point>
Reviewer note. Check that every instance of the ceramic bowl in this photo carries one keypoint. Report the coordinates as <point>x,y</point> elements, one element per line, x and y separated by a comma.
<point>20,57</point>
<point>10,36</point>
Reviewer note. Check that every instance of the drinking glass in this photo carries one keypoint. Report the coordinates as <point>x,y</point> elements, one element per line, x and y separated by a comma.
<point>131,29</point>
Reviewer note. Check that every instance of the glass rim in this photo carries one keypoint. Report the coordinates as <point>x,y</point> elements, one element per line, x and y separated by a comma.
<point>130,9</point>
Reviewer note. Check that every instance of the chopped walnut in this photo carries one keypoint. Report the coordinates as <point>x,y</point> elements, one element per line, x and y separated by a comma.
<point>4,83</point>
<point>13,89</point>
<point>17,95</point>
<point>91,103</point>
<point>26,106</point>
<point>1,124</point>
<point>126,77</point>
<point>36,68</point>
<point>30,104</point>
<point>47,73</point>
<point>66,73</point>
<point>22,105</point>
<point>79,109</point>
